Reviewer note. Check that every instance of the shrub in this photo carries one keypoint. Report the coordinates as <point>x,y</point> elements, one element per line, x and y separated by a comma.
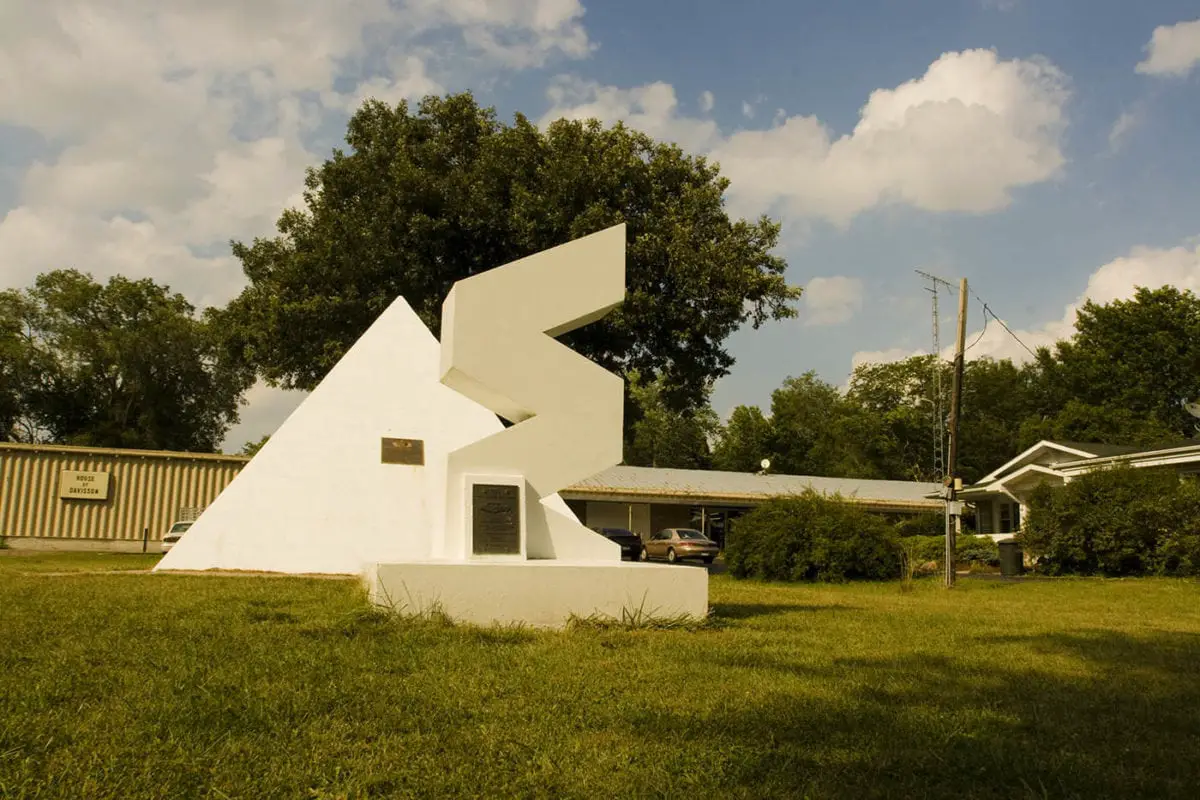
<point>977,550</point>
<point>972,550</point>
<point>810,537</point>
<point>923,525</point>
<point>1115,522</point>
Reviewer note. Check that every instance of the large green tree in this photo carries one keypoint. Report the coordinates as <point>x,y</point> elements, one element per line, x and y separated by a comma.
<point>15,368</point>
<point>121,364</point>
<point>744,441</point>
<point>662,436</point>
<point>428,195</point>
<point>1139,356</point>
<point>817,431</point>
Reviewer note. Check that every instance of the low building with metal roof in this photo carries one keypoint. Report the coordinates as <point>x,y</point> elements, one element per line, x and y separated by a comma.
<point>63,497</point>
<point>648,499</point>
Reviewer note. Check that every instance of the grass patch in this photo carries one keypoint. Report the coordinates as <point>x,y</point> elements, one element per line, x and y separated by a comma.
<point>130,686</point>
<point>17,562</point>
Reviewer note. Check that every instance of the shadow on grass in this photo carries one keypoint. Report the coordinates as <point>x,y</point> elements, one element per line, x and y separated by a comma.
<point>748,610</point>
<point>1105,715</point>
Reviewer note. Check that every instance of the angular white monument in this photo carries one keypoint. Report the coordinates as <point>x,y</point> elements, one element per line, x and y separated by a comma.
<point>397,468</point>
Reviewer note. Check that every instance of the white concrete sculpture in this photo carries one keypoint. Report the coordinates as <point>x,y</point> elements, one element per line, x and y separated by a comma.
<point>497,349</point>
<point>397,468</point>
<point>318,498</point>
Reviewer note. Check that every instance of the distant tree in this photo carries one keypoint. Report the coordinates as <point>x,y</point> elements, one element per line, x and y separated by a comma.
<point>251,448</point>
<point>122,364</point>
<point>661,436</point>
<point>13,369</point>
<point>1080,422</point>
<point>744,441</point>
<point>996,401</point>
<point>899,397</point>
<point>818,431</point>
<point>1141,355</point>
<point>433,194</point>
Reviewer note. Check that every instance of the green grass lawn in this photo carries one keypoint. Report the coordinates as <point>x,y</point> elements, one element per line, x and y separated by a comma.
<point>134,685</point>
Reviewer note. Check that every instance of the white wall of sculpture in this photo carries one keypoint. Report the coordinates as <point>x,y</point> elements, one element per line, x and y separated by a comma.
<point>397,468</point>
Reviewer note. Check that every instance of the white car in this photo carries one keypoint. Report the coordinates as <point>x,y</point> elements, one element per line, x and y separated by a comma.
<point>172,536</point>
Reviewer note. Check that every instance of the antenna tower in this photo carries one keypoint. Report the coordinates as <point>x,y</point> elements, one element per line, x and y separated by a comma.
<point>939,411</point>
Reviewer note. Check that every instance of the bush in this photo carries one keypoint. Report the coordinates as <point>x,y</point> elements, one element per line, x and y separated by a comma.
<point>810,537</point>
<point>923,525</point>
<point>1116,522</point>
<point>977,550</point>
<point>972,550</point>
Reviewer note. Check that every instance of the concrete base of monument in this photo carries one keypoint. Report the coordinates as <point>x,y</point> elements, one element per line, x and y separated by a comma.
<point>542,594</point>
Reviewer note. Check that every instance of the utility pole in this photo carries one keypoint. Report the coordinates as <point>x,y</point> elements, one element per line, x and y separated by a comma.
<point>952,505</point>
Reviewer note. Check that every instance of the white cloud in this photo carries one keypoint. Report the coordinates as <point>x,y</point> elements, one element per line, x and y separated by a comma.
<point>707,101</point>
<point>831,301</point>
<point>883,356</point>
<point>1119,279</point>
<point>178,127</point>
<point>652,108</point>
<point>747,110</point>
<point>961,137</point>
<point>407,79</point>
<point>173,127</point>
<point>1121,129</point>
<point>514,33</point>
<point>1173,50</point>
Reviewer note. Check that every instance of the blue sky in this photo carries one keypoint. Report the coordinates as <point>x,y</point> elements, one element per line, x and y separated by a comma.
<point>1043,149</point>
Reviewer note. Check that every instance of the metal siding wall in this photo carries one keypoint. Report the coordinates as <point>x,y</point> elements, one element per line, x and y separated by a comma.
<point>144,491</point>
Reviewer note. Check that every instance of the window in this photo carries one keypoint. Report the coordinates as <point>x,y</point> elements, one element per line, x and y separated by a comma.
<point>1010,517</point>
<point>983,517</point>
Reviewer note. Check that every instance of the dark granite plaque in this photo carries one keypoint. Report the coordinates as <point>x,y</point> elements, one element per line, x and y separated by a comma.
<point>402,451</point>
<point>495,519</point>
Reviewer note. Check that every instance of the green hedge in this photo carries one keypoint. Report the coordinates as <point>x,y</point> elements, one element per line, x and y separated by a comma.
<point>1116,522</point>
<point>923,525</point>
<point>968,550</point>
<point>810,537</point>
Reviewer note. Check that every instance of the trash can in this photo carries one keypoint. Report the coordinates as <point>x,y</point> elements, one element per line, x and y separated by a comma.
<point>1012,560</point>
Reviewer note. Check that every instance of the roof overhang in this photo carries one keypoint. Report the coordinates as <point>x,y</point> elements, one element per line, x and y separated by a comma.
<point>1045,444</point>
<point>1011,483</point>
<point>1153,458</point>
<point>731,499</point>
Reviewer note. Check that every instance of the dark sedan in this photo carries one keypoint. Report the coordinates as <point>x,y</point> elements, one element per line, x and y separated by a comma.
<point>631,543</point>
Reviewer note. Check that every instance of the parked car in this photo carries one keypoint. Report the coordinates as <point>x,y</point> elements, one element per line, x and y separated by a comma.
<point>173,535</point>
<point>677,544</point>
<point>631,543</point>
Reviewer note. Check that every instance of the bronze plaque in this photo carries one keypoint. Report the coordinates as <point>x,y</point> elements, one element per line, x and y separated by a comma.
<point>495,519</point>
<point>402,451</point>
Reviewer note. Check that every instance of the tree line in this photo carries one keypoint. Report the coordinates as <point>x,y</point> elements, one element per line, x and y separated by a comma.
<point>428,194</point>
<point>1122,378</point>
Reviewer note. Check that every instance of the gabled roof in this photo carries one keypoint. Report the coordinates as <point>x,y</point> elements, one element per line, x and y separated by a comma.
<point>1098,450</point>
<point>1002,483</point>
<point>1072,449</point>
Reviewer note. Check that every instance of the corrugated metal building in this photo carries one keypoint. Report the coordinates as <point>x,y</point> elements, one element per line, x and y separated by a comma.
<point>60,497</point>
<point>81,498</point>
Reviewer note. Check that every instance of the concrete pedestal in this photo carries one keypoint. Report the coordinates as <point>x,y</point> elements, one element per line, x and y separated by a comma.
<point>543,594</point>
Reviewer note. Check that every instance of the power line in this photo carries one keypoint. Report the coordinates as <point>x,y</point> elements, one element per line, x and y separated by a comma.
<point>986,320</point>
<point>988,311</point>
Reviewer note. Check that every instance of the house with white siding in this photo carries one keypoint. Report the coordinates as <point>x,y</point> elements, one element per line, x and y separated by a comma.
<point>1000,497</point>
